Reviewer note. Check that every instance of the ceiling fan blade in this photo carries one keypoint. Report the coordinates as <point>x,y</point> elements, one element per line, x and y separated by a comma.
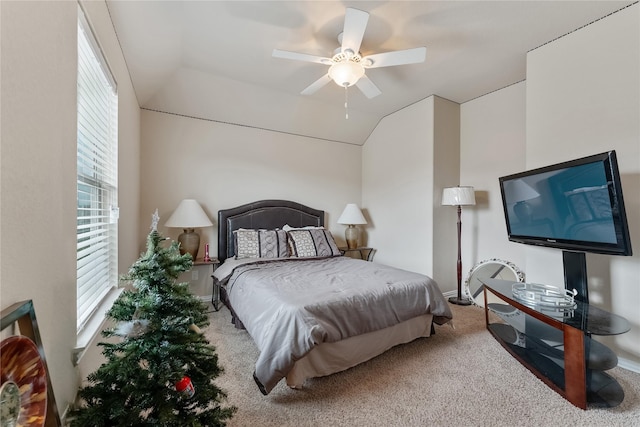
<point>313,87</point>
<point>355,22</point>
<point>277,53</point>
<point>367,87</point>
<point>398,57</point>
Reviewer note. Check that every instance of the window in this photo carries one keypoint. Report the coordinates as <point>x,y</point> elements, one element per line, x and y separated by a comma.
<point>97,214</point>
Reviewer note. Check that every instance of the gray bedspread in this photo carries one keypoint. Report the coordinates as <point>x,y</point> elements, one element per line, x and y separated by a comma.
<point>288,306</point>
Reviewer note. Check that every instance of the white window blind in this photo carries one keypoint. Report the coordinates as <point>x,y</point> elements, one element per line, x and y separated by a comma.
<point>97,228</point>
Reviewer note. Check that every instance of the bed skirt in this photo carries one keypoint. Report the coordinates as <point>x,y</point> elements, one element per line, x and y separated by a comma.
<point>329,358</point>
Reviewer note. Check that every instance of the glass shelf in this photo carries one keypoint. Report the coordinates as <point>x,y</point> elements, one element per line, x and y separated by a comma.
<point>555,343</point>
<point>588,318</point>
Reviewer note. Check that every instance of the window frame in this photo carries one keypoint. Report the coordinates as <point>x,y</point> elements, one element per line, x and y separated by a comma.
<point>97,186</point>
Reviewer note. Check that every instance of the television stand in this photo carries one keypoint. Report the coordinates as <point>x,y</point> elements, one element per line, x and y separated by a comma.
<point>556,345</point>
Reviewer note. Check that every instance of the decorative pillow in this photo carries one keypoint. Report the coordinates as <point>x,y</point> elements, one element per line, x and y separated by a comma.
<point>287,227</point>
<point>312,242</point>
<point>260,243</point>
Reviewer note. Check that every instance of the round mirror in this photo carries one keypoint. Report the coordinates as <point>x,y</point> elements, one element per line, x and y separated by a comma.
<point>490,269</point>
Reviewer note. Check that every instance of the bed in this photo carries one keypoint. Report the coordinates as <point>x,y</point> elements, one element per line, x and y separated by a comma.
<point>310,313</point>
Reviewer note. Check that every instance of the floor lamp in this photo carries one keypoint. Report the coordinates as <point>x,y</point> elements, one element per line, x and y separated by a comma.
<point>459,196</point>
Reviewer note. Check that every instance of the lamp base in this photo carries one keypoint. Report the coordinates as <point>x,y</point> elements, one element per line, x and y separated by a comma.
<point>523,211</point>
<point>189,242</point>
<point>459,301</point>
<point>351,236</point>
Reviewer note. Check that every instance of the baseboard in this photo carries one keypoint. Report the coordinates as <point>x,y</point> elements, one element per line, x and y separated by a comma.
<point>629,365</point>
<point>63,417</point>
<point>450,294</point>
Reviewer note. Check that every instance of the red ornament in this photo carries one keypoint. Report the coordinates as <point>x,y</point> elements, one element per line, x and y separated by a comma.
<point>186,386</point>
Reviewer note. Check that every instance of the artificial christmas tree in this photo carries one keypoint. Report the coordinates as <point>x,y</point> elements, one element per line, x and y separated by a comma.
<point>160,367</point>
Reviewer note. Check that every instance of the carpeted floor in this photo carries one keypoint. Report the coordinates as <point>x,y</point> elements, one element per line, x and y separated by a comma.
<point>457,377</point>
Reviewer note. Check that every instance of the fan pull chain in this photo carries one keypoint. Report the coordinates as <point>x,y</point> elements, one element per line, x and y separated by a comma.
<point>346,102</point>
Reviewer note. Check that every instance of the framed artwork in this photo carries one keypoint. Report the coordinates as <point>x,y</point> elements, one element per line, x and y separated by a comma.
<point>26,394</point>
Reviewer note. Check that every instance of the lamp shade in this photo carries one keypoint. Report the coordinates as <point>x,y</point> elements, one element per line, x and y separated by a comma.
<point>458,196</point>
<point>188,214</point>
<point>352,215</point>
<point>346,73</point>
<point>519,190</point>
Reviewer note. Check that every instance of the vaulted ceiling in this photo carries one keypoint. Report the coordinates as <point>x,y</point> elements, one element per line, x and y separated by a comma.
<point>213,60</point>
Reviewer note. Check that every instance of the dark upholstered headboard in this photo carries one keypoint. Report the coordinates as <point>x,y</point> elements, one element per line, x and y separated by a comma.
<point>266,214</point>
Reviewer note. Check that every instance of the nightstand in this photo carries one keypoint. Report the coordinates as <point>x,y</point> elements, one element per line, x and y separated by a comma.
<point>215,293</point>
<point>365,252</point>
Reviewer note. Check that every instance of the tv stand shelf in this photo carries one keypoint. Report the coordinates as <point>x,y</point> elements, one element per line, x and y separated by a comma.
<point>557,346</point>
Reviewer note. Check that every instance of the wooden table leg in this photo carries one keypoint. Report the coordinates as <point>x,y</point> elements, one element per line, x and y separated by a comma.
<point>575,372</point>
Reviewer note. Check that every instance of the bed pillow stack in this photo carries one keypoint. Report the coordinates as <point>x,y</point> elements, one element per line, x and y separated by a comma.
<point>304,242</point>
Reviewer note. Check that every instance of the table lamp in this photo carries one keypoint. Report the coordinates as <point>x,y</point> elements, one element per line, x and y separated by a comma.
<point>522,192</point>
<point>188,216</point>
<point>459,196</point>
<point>351,216</point>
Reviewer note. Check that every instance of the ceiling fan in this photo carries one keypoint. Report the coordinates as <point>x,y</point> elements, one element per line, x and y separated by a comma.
<point>347,67</point>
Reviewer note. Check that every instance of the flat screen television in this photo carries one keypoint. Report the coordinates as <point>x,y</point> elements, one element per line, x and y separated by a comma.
<point>576,206</point>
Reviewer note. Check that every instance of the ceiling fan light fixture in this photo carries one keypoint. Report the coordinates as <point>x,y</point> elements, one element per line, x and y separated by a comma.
<point>346,73</point>
<point>347,66</point>
<point>348,53</point>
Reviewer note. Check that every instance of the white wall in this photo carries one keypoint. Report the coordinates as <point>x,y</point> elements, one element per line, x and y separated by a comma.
<point>397,174</point>
<point>223,165</point>
<point>407,161</point>
<point>38,169</point>
<point>583,97</point>
<point>446,173</point>
<point>38,175</point>
<point>492,140</point>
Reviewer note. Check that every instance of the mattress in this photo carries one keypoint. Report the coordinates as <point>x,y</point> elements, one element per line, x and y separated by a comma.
<point>291,307</point>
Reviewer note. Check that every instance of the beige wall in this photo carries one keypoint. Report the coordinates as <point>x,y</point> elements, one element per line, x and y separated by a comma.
<point>223,166</point>
<point>38,169</point>
<point>411,155</point>
<point>397,174</point>
<point>492,140</point>
<point>38,175</point>
<point>583,98</point>
<point>219,100</point>
<point>446,173</point>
